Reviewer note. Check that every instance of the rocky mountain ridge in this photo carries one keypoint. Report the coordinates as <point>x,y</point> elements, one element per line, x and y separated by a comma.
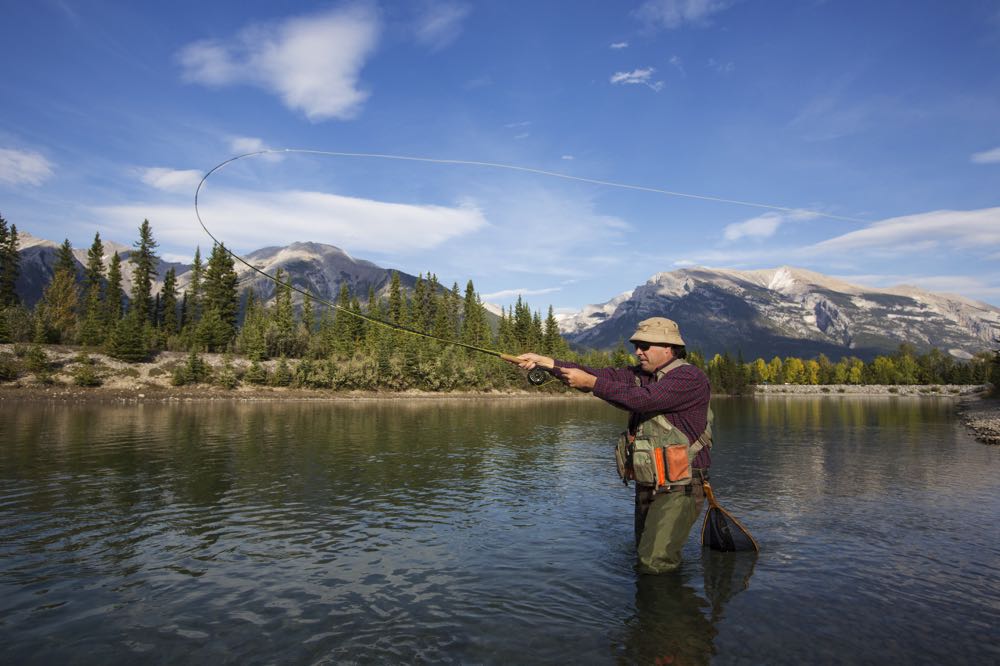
<point>790,311</point>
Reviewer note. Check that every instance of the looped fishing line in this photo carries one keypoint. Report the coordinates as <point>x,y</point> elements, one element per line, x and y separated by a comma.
<point>492,165</point>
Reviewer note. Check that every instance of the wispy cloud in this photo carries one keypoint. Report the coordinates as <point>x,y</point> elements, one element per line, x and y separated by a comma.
<point>247,220</point>
<point>566,157</point>
<point>619,45</point>
<point>672,14</point>
<point>763,226</point>
<point>962,229</point>
<point>23,167</point>
<point>171,180</point>
<point>313,63</point>
<point>504,294</point>
<point>438,24</point>
<point>987,156</point>
<point>640,76</point>
<point>676,62</point>
<point>721,67</point>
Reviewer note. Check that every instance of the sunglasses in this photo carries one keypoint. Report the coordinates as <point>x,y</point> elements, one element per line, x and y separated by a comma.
<point>644,346</point>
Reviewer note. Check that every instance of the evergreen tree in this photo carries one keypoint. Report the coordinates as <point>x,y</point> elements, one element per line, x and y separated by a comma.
<point>252,337</point>
<point>10,264</point>
<point>194,289</point>
<point>114,299</point>
<point>395,299</point>
<point>553,343</point>
<point>61,299</point>
<point>127,340</point>
<point>92,328</point>
<point>343,324</point>
<point>143,260</point>
<point>221,301</point>
<point>281,327</point>
<point>475,330</point>
<point>168,303</point>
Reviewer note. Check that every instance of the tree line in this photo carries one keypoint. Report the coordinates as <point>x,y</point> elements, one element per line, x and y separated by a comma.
<point>317,346</point>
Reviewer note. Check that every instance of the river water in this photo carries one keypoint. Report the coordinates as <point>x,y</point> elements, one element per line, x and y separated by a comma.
<point>489,532</point>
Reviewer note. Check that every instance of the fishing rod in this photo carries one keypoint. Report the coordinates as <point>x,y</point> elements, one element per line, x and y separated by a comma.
<point>536,376</point>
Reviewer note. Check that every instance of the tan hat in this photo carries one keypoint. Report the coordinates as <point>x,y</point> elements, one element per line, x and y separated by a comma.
<point>658,330</point>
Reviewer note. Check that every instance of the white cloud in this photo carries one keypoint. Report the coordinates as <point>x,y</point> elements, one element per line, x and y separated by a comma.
<point>922,232</point>
<point>248,220</point>
<point>987,156</point>
<point>672,14</point>
<point>510,293</point>
<point>620,45</point>
<point>312,63</point>
<point>242,145</point>
<point>678,64</point>
<point>567,157</point>
<point>440,23</point>
<point>22,167</point>
<point>721,67</point>
<point>172,180</point>
<point>637,77</point>
<point>764,226</point>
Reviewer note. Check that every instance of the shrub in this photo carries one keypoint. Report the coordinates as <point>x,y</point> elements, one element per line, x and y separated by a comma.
<point>10,369</point>
<point>36,360</point>
<point>893,389</point>
<point>282,373</point>
<point>256,374</point>
<point>194,371</point>
<point>85,372</point>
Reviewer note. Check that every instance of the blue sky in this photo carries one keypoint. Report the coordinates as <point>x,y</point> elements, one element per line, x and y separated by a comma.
<point>878,122</point>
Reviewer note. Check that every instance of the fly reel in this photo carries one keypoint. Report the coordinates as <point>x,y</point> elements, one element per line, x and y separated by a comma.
<point>537,376</point>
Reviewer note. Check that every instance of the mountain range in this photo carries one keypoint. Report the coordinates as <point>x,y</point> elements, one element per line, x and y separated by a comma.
<point>783,311</point>
<point>790,311</point>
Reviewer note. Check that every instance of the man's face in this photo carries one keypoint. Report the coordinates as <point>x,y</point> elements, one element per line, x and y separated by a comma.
<point>652,356</point>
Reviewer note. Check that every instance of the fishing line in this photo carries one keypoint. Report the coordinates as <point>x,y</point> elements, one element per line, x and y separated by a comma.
<point>534,378</point>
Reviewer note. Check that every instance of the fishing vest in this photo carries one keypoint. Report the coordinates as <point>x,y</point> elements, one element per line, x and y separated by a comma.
<point>653,452</point>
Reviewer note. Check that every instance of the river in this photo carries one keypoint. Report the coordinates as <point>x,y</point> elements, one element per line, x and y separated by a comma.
<point>486,532</point>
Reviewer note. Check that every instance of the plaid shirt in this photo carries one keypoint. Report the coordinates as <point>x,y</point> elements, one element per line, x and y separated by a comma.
<point>682,396</point>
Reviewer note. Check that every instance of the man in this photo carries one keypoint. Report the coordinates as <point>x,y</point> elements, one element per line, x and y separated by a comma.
<point>667,400</point>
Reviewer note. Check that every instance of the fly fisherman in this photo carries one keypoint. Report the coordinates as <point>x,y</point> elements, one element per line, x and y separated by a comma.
<point>666,448</point>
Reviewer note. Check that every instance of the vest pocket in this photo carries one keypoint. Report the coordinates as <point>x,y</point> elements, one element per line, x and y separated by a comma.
<point>644,462</point>
<point>678,465</point>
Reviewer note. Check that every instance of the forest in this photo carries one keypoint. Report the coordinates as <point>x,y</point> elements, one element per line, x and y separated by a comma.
<point>356,343</point>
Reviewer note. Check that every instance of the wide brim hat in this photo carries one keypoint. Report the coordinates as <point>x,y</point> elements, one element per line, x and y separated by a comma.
<point>658,330</point>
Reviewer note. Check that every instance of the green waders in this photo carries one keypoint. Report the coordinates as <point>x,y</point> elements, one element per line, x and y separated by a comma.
<point>663,521</point>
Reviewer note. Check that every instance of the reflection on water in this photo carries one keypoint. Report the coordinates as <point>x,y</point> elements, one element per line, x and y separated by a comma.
<point>484,532</point>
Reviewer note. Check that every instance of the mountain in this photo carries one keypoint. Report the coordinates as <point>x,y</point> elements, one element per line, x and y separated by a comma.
<point>314,267</point>
<point>789,312</point>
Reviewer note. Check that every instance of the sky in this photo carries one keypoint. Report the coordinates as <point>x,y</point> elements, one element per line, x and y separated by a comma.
<point>563,152</point>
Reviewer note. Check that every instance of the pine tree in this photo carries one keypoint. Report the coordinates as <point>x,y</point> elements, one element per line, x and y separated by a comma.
<point>343,324</point>
<point>221,301</point>
<point>194,289</point>
<point>168,303</point>
<point>281,326</point>
<point>61,299</point>
<point>395,299</point>
<point>114,299</point>
<point>10,264</point>
<point>552,342</point>
<point>92,328</point>
<point>475,330</point>
<point>143,260</point>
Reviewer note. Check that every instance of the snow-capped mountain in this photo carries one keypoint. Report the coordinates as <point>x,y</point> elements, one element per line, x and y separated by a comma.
<point>790,311</point>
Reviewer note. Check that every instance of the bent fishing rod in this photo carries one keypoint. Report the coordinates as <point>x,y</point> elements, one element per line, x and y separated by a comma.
<point>536,376</point>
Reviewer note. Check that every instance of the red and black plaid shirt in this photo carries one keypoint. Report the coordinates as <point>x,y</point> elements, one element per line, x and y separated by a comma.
<point>682,396</point>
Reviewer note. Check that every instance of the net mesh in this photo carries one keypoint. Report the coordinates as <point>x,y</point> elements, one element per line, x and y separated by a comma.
<point>722,532</point>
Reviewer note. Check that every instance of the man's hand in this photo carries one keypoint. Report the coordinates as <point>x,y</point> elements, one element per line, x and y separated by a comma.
<point>529,361</point>
<point>576,378</point>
